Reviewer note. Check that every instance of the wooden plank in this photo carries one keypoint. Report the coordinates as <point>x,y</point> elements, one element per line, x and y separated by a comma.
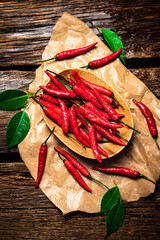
<point>26,27</point>
<point>21,79</point>
<point>26,213</point>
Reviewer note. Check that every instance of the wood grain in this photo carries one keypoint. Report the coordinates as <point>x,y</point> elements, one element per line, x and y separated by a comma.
<point>28,214</point>
<point>26,26</point>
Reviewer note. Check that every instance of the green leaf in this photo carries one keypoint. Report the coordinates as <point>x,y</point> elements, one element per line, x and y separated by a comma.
<point>12,99</point>
<point>17,128</point>
<point>115,218</point>
<point>113,41</point>
<point>109,200</point>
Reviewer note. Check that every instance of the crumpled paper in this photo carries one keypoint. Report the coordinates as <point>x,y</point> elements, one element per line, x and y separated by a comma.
<point>140,154</point>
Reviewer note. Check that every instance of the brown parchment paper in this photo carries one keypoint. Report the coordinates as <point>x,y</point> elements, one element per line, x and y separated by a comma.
<point>141,154</point>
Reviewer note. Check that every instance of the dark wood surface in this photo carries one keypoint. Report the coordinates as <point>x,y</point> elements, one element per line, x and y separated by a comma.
<point>26,26</point>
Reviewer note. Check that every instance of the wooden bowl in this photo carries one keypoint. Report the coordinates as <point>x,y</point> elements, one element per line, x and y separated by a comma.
<point>111,148</point>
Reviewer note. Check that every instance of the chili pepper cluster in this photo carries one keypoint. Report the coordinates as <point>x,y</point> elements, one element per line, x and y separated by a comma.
<point>86,110</point>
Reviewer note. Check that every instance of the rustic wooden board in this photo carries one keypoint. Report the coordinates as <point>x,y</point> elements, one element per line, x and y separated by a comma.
<point>26,213</point>
<point>26,27</point>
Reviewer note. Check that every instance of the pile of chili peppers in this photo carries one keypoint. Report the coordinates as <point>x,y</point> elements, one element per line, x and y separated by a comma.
<point>86,110</point>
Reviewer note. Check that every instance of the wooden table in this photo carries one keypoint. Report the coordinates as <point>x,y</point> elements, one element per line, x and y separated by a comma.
<point>26,26</point>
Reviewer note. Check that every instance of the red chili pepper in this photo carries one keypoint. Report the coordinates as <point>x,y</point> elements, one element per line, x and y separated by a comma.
<point>93,142</point>
<point>65,116</point>
<point>80,83</point>
<point>59,93</point>
<point>97,111</point>
<point>70,53</point>
<point>48,98</point>
<point>52,86</point>
<point>122,172</point>
<point>74,127</point>
<point>52,106</point>
<point>42,159</point>
<point>108,108</point>
<point>53,116</point>
<point>99,88</point>
<point>75,174</point>
<point>79,114</point>
<point>56,82</point>
<point>86,137</point>
<point>109,136</point>
<point>83,120</point>
<point>78,165</point>
<point>74,161</point>
<point>103,61</point>
<point>150,120</point>
<point>70,81</point>
<point>85,96</point>
<point>94,118</point>
<point>107,98</point>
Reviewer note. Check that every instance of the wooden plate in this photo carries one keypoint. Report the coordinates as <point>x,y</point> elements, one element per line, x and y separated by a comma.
<point>111,148</point>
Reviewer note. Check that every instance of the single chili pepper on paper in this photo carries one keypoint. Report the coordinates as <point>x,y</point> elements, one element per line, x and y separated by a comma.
<point>55,81</point>
<point>122,172</point>
<point>70,53</point>
<point>42,159</point>
<point>75,173</point>
<point>103,61</point>
<point>149,118</point>
<point>59,93</point>
<point>74,127</point>
<point>64,115</point>
<point>83,170</point>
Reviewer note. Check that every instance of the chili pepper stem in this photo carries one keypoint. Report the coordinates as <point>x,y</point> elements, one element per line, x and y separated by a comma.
<point>39,103</point>
<point>84,120</point>
<point>112,95</point>
<point>61,157</point>
<point>87,66</point>
<point>69,135</point>
<point>128,125</point>
<point>57,75</point>
<point>90,177</point>
<point>143,176</point>
<point>44,143</point>
<point>155,139</point>
<point>117,133</point>
<point>46,60</point>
